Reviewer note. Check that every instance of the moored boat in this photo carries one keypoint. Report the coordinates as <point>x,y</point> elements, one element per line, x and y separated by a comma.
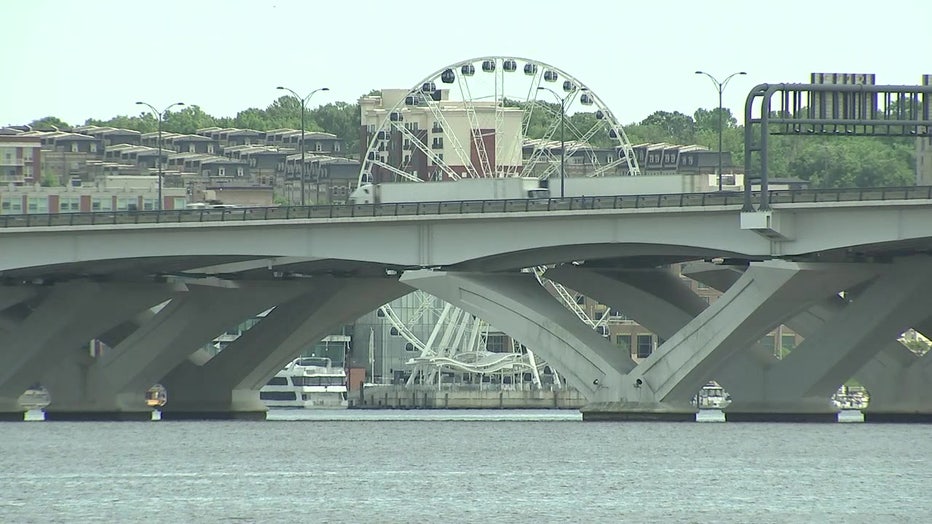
<point>306,382</point>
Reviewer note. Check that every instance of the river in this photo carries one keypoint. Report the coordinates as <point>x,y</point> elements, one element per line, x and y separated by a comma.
<point>463,466</point>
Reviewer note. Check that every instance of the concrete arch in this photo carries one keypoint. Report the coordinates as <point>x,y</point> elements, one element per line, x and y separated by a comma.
<point>517,304</point>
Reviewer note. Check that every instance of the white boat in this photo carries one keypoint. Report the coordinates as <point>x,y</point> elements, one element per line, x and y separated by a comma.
<point>306,382</point>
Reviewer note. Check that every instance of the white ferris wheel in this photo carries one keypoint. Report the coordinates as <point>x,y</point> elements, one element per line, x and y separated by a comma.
<point>488,117</point>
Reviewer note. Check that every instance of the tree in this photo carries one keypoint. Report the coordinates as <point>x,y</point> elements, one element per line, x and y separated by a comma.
<point>187,120</point>
<point>49,122</point>
<point>680,128</point>
<point>146,122</point>
<point>851,162</point>
<point>341,119</point>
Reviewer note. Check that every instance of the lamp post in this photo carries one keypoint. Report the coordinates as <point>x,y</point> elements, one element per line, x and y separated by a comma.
<point>721,87</point>
<point>303,102</point>
<point>562,100</point>
<point>160,115</point>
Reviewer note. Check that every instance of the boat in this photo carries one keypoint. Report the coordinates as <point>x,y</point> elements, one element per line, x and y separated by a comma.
<point>306,382</point>
<point>156,396</point>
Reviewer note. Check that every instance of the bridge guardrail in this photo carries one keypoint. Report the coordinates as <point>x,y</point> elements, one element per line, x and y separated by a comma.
<point>460,207</point>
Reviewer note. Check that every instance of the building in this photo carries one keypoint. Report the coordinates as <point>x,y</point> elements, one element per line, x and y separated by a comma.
<point>924,146</point>
<point>426,141</point>
<point>110,193</point>
<point>20,159</point>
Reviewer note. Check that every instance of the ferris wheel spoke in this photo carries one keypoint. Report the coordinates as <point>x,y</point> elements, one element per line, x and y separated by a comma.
<point>400,172</point>
<point>455,144</point>
<point>475,138</point>
<point>416,141</point>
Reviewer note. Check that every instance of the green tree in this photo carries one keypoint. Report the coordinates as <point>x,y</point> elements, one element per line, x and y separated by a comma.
<point>679,128</point>
<point>49,122</point>
<point>146,122</point>
<point>851,162</point>
<point>341,119</point>
<point>187,120</point>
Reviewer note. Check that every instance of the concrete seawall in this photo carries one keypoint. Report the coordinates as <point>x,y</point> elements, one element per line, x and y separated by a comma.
<point>400,397</point>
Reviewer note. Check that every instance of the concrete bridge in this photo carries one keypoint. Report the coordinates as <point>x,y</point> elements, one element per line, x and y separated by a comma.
<point>847,269</point>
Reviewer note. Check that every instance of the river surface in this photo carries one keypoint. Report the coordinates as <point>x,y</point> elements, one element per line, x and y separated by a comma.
<point>463,466</point>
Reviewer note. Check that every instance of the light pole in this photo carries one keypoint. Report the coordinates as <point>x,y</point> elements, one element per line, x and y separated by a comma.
<point>721,87</point>
<point>160,115</point>
<point>303,101</point>
<point>562,100</point>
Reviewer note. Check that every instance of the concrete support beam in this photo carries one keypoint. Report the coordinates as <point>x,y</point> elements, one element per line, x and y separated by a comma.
<point>68,316</point>
<point>899,382</point>
<point>227,385</point>
<point>113,387</point>
<point>518,305</point>
<point>763,297</point>
<point>656,298</point>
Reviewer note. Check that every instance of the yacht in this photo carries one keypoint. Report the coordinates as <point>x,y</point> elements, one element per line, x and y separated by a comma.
<point>306,382</point>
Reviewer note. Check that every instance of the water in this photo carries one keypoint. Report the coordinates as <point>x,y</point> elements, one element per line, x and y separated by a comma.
<point>458,466</point>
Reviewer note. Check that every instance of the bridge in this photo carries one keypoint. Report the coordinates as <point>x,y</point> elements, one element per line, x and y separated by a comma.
<point>845,268</point>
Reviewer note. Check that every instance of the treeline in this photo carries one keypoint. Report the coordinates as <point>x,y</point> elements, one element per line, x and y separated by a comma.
<point>826,162</point>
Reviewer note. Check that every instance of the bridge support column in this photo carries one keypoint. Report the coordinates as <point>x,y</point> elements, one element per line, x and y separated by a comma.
<point>113,387</point>
<point>892,374</point>
<point>227,385</point>
<point>901,388</point>
<point>56,333</point>
<point>518,305</point>
<point>656,298</point>
<point>765,294</point>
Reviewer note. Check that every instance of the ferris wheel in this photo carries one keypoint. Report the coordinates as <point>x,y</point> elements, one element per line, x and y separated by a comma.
<point>482,118</point>
<point>493,117</point>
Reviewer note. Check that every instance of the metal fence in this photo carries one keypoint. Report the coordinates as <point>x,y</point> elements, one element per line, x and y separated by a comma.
<point>735,198</point>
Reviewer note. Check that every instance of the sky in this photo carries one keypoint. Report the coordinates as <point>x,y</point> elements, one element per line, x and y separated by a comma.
<point>77,60</point>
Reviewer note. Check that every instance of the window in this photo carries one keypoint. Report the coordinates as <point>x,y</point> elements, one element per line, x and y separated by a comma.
<point>221,171</point>
<point>210,149</point>
<point>93,146</point>
<point>239,171</point>
<point>624,343</point>
<point>11,205</point>
<point>191,148</point>
<point>278,381</point>
<point>127,203</point>
<point>69,204</point>
<point>74,147</point>
<point>101,204</point>
<point>645,346</point>
<point>318,147</point>
<point>37,204</point>
<point>277,395</point>
<point>336,147</point>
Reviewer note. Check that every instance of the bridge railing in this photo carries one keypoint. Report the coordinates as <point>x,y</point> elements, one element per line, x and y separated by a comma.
<point>728,198</point>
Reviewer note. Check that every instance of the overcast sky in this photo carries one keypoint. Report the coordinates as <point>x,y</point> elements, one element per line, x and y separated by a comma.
<point>78,60</point>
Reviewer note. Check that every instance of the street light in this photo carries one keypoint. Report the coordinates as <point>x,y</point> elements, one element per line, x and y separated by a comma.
<point>303,102</point>
<point>562,100</point>
<point>721,87</point>
<point>160,115</point>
